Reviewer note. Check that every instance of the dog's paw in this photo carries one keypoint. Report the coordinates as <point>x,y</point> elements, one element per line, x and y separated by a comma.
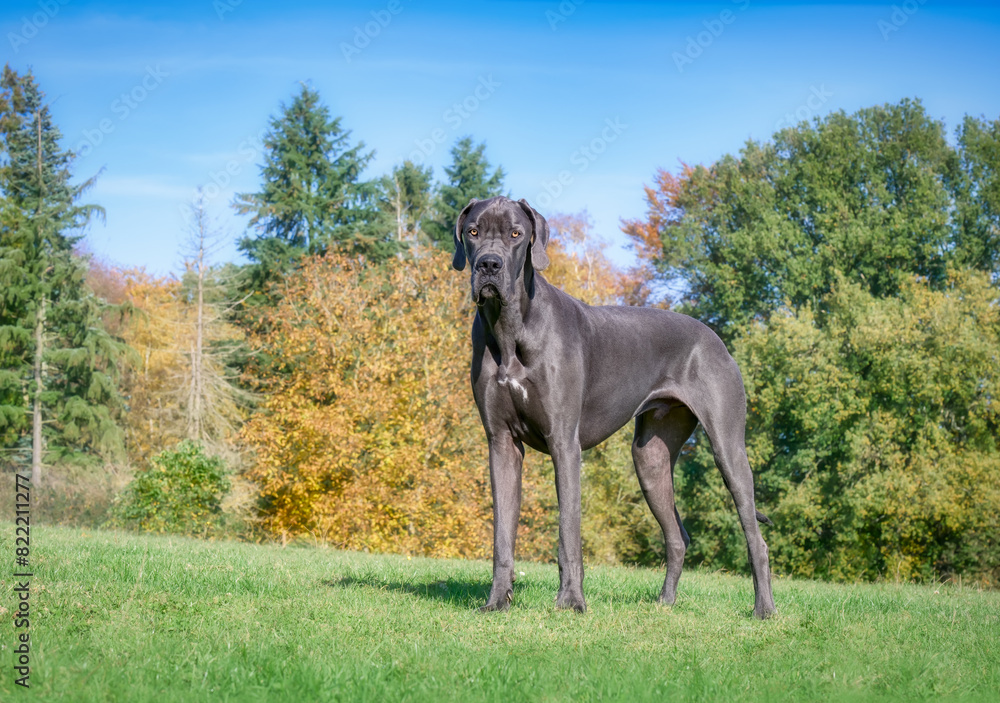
<point>501,604</point>
<point>764,611</point>
<point>571,601</point>
<point>668,594</point>
<point>667,599</point>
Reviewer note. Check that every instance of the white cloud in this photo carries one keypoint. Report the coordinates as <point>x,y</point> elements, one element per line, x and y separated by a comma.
<point>141,187</point>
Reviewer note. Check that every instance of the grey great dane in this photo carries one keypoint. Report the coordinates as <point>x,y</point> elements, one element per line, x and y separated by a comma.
<point>560,376</point>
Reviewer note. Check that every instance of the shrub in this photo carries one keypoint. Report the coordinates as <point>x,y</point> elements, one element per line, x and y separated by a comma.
<point>181,492</point>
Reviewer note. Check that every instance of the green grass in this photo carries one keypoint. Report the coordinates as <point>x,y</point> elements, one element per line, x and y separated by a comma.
<point>121,617</point>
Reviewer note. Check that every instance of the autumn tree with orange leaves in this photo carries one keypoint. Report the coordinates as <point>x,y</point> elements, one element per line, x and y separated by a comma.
<point>369,437</point>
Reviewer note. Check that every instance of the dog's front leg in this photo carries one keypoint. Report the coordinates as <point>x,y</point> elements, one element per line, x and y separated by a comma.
<point>567,460</point>
<point>506,458</point>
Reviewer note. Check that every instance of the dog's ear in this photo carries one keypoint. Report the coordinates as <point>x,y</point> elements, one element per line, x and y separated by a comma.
<point>459,261</point>
<point>540,236</point>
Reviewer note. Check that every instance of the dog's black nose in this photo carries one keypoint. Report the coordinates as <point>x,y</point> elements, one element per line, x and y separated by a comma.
<point>489,264</point>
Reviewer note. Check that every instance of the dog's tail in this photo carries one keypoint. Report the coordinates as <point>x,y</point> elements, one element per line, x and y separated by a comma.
<point>761,517</point>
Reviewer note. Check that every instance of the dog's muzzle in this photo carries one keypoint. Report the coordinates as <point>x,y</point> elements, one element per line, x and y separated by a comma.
<point>488,279</point>
<point>486,288</point>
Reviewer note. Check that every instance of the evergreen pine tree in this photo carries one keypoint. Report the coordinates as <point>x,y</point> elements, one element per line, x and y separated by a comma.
<point>311,198</point>
<point>57,362</point>
<point>468,178</point>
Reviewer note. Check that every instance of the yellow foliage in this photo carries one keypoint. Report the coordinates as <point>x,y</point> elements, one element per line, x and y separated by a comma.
<point>162,331</point>
<point>154,416</point>
<point>369,437</point>
<point>579,266</point>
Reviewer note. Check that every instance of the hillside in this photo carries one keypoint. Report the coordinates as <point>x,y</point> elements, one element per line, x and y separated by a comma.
<point>121,617</point>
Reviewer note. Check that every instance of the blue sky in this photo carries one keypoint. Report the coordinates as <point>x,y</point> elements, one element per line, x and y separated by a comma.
<point>580,102</point>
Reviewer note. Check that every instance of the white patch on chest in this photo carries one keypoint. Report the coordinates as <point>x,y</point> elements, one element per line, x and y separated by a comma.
<point>515,384</point>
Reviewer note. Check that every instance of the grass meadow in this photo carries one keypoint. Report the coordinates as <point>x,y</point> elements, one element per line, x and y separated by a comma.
<point>123,617</point>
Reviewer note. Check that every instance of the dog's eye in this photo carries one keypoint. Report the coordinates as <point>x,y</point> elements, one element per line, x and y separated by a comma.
<point>515,233</point>
<point>473,231</point>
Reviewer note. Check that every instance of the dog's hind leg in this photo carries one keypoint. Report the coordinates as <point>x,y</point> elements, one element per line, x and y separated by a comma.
<point>725,424</point>
<point>655,451</point>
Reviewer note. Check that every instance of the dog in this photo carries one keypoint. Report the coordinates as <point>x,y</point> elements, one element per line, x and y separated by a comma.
<point>560,376</point>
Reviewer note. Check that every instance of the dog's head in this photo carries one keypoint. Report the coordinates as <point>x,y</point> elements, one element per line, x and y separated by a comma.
<point>499,238</point>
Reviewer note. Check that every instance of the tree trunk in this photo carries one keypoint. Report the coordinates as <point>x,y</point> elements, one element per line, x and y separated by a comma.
<point>36,418</point>
<point>197,355</point>
<point>199,372</point>
<point>400,227</point>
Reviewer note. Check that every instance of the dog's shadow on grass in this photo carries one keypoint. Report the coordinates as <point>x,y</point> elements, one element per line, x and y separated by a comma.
<point>466,594</point>
<point>455,592</point>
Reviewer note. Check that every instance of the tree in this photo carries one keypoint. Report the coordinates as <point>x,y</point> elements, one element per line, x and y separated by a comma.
<point>873,431</point>
<point>154,382</point>
<point>864,196</point>
<point>468,177</point>
<point>312,197</point>
<point>646,238</point>
<point>15,338</point>
<point>213,400</point>
<point>368,436</point>
<point>406,199</point>
<point>848,264</point>
<point>184,382</point>
<point>60,366</point>
<point>977,194</point>
<point>579,266</point>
